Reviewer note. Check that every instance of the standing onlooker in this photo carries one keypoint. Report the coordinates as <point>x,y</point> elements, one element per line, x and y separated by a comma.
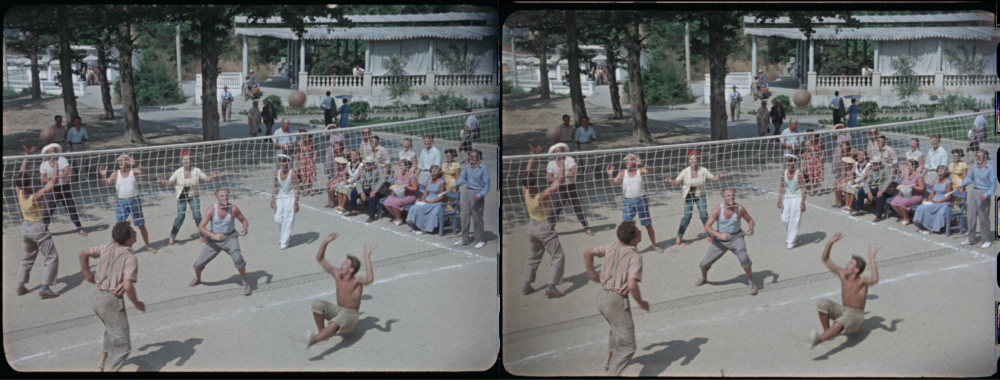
<point>268,114</point>
<point>245,88</point>
<point>889,157</point>
<point>761,83</point>
<point>334,149</point>
<point>283,144</point>
<point>623,279</point>
<point>345,113</point>
<point>34,236</point>
<point>837,105</point>
<point>566,131</point>
<point>473,198</point>
<point>61,192</point>
<point>466,146</point>
<point>846,174</point>
<point>76,137</point>
<point>327,106</point>
<point>382,158</point>
<point>852,114</point>
<point>792,144</point>
<point>60,133</point>
<point>254,119</point>
<point>129,203</point>
<point>814,163</point>
<point>227,104</point>
<point>566,191</point>
<point>762,116</point>
<point>450,170</point>
<point>936,156</point>
<point>977,133</point>
<point>777,116</point>
<point>117,271</point>
<point>472,122</point>
<point>872,149</point>
<point>734,104</point>
<point>429,156</point>
<point>984,178</point>
<point>585,137</point>
<point>305,164</point>
<point>252,83</point>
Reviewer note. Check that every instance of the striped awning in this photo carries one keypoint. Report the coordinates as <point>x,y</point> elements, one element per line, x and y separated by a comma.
<point>375,33</point>
<point>984,33</point>
<point>491,18</point>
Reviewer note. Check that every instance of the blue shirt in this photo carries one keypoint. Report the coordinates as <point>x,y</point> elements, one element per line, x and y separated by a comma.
<point>984,179</point>
<point>225,95</point>
<point>327,103</point>
<point>75,137</point>
<point>584,136</point>
<point>478,179</point>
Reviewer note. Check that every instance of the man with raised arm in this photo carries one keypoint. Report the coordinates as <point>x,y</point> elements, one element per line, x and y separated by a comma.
<point>34,237</point>
<point>849,316</point>
<point>728,237</point>
<point>623,259</point>
<point>633,180</point>
<point>222,237</point>
<point>349,287</point>
<point>129,203</point>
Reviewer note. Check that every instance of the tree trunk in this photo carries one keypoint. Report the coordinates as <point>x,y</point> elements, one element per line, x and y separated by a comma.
<point>36,83</point>
<point>543,68</point>
<point>130,110</point>
<point>69,98</point>
<point>102,67</point>
<point>637,100</point>
<point>575,92</point>
<point>209,77</point>
<point>616,103</point>
<point>717,70</point>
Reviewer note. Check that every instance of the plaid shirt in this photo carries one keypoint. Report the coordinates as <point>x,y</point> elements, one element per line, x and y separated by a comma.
<point>631,263</point>
<point>125,267</point>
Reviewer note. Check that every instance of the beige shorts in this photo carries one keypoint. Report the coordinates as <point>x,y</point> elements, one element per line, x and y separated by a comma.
<point>849,317</point>
<point>346,318</point>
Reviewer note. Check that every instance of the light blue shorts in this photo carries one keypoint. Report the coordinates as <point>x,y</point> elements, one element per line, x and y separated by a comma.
<point>126,207</point>
<point>637,206</point>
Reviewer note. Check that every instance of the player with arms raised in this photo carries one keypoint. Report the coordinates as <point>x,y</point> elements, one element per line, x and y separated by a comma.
<point>345,313</point>
<point>849,316</point>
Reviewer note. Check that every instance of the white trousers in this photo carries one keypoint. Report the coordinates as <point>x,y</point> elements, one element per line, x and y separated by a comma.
<point>791,214</point>
<point>284,215</point>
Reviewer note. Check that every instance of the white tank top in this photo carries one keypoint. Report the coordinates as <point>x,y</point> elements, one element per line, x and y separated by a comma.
<point>226,225</point>
<point>731,225</point>
<point>285,186</point>
<point>126,185</point>
<point>351,173</point>
<point>632,186</point>
<point>792,185</point>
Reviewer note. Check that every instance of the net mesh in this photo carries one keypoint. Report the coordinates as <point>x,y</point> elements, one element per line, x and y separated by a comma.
<point>245,166</point>
<point>752,166</point>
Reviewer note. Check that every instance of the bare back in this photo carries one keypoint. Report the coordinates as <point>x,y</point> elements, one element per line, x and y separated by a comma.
<point>349,292</point>
<point>854,292</point>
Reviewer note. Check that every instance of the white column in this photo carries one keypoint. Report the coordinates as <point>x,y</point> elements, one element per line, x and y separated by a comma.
<point>302,55</point>
<point>753,55</point>
<point>288,58</point>
<point>245,56</point>
<point>877,70</point>
<point>4,61</point>
<point>940,59</point>
<point>432,55</point>
<point>513,53</point>
<point>368,54</point>
<point>812,66</point>
<point>687,51</point>
<point>178,35</point>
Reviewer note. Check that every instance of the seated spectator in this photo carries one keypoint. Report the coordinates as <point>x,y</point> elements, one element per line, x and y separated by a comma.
<point>860,177</point>
<point>404,191</point>
<point>352,171</point>
<point>423,217</point>
<point>407,153</point>
<point>932,217</point>
<point>911,191</point>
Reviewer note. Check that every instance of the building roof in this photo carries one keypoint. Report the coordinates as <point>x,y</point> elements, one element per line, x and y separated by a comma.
<point>895,19</point>
<point>375,33</point>
<point>491,18</point>
<point>506,49</point>
<point>881,34</point>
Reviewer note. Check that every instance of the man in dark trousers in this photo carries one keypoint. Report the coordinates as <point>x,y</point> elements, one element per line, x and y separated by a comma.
<point>327,107</point>
<point>777,116</point>
<point>268,114</point>
<point>837,105</point>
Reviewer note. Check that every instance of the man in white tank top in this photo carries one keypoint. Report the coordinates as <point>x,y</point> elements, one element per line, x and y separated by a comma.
<point>633,187</point>
<point>285,199</point>
<point>791,199</point>
<point>221,237</point>
<point>128,194</point>
<point>728,237</point>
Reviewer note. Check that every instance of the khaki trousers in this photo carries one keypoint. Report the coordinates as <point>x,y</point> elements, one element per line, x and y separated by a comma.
<point>35,238</point>
<point>621,339</point>
<point>544,237</point>
<point>111,310</point>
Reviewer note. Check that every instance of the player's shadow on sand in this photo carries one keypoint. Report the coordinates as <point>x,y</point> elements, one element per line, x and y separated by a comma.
<point>867,327</point>
<point>655,363</point>
<point>595,229</point>
<point>365,324</point>
<point>154,361</point>
<point>758,279</point>
<point>89,229</point>
<point>300,239</point>
<point>810,238</point>
<point>71,281</point>
<point>253,278</point>
<point>577,280</point>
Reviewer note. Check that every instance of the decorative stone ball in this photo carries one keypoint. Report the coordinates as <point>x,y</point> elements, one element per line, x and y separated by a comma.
<point>297,99</point>
<point>801,98</point>
<point>554,133</point>
<point>47,135</point>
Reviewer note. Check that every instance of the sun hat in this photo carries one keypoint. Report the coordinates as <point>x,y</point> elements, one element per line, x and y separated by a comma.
<point>847,160</point>
<point>340,160</point>
<point>791,157</point>
<point>52,145</point>
<point>284,157</point>
<point>562,145</point>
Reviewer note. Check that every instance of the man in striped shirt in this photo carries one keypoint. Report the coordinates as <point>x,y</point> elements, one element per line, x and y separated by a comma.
<point>625,263</point>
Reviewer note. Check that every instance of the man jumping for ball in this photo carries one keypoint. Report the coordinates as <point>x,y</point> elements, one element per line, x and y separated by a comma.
<point>345,313</point>
<point>849,316</point>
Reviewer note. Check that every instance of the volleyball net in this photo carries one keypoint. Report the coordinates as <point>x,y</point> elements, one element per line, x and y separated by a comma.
<point>752,166</point>
<point>245,166</point>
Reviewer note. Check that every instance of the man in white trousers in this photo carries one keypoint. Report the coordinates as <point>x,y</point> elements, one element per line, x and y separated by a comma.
<point>791,200</point>
<point>285,199</point>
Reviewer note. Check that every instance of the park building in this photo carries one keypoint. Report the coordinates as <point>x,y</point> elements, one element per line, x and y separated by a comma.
<point>18,67</point>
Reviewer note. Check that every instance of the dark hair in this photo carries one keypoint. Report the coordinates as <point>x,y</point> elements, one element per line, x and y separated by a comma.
<point>453,152</point>
<point>355,264</point>
<point>836,93</point>
<point>58,117</point>
<point>854,101</point>
<point>529,179</point>
<point>627,231</point>
<point>961,154</point>
<point>479,153</point>
<point>408,164</point>
<point>880,138</point>
<point>408,139</point>
<point>376,138</point>
<point>986,153</point>
<point>23,180</point>
<point>859,262</point>
<point>344,101</point>
<point>429,136</point>
<point>581,119</point>
<point>77,118</point>
<point>121,232</point>
<point>565,116</point>
<point>220,189</point>
<point>328,93</point>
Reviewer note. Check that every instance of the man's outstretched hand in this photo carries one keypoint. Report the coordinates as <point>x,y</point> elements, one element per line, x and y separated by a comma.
<point>368,251</point>
<point>331,237</point>
<point>833,239</point>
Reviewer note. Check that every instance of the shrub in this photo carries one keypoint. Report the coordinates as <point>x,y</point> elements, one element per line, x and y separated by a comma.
<point>422,112</point>
<point>276,102</point>
<point>868,110</point>
<point>400,86</point>
<point>534,91</point>
<point>487,103</point>
<point>662,83</point>
<point>360,110</point>
<point>929,111</point>
<point>785,101</point>
<point>154,83</point>
<point>441,103</point>
<point>460,102</point>
<point>906,87</point>
<point>949,103</point>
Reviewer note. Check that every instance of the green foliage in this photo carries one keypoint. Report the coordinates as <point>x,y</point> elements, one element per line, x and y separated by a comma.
<point>441,103</point>
<point>929,111</point>
<point>967,63</point>
<point>279,109</point>
<point>460,102</point>
<point>457,62</point>
<point>487,103</point>
<point>662,82</point>
<point>868,110</point>
<point>10,91</point>
<point>360,110</point>
<point>784,100</point>
<point>908,86</point>
<point>154,84</point>
<point>400,85</point>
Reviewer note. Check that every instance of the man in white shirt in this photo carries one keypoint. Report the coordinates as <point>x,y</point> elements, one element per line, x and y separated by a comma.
<point>866,71</point>
<point>792,144</point>
<point>734,104</point>
<point>429,156</point>
<point>473,123</point>
<point>566,191</point>
<point>283,144</point>
<point>61,191</point>
<point>358,70</point>
<point>976,134</point>
<point>227,104</point>
<point>936,156</point>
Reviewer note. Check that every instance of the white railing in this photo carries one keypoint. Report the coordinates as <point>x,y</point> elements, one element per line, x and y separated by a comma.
<point>843,81</point>
<point>336,81</point>
<point>232,79</point>
<point>47,87</point>
<point>465,80</point>
<point>522,74</point>
<point>971,80</point>
<point>742,81</point>
<point>382,81</point>
<point>587,87</point>
<point>924,80</point>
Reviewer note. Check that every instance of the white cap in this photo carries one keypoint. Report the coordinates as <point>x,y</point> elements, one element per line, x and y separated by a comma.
<point>50,146</point>
<point>559,145</point>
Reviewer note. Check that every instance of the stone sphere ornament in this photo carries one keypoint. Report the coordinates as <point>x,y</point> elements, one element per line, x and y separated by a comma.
<point>554,133</point>
<point>801,98</point>
<point>297,99</point>
<point>47,135</point>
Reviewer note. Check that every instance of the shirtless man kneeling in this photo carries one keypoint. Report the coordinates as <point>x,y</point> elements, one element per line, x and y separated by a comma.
<point>849,316</point>
<point>345,313</point>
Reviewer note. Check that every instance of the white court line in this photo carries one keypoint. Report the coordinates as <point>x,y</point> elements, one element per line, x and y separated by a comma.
<point>731,314</point>
<point>229,314</point>
<point>409,236</point>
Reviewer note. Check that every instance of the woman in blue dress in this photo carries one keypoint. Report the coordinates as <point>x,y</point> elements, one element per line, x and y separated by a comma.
<point>852,112</point>
<point>424,218</point>
<point>344,112</point>
<point>932,217</point>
